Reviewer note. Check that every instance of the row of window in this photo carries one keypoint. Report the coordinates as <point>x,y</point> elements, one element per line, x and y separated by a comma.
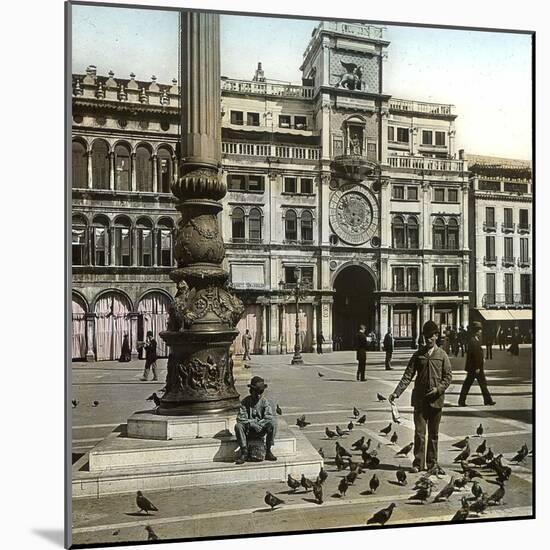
<point>444,235</point>
<point>490,251</point>
<point>490,221</point>
<point>253,119</point>
<point>249,227</point>
<point>117,169</point>
<point>491,298</point>
<point>122,245</point>
<point>401,192</point>
<point>405,279</point>
<point>429,137</point>
<point>256,184</point>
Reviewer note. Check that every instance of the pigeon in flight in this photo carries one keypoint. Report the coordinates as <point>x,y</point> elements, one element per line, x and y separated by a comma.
<point>95,403</point>
<point>272,500</point>
<point>380,397</point>
<point>387,429</point>
<point>320,374</point>
<point>405,450</point>
<point>144,504</point>
<point>278,409</point>
<point>382,516</point>
<point>292,483</point>
<point>301,422</point>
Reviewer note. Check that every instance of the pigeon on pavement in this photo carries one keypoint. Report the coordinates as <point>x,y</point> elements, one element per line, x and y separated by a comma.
<point>479,431</point>
<point>386,430</point>
<point>401,476</point>
<point>329,433</point>
<point>356,412</point>
<point>498,495</point>
<point>318,492</point>
<point>75,403</point>
<point>323,475</point>
<point>306,483</point>
<point>358,444</point>
<point>95,403</point>
<point>393,439</point>
<point>462,443</point>
<point>340,432</point>
<point>301,422</point>
<point>272,500</point>
<point>446,492</point>
<point>278,409</point>
<point>382,516</point>
<point>350,426</point>
<point>151,535</point>
<point>380,397</point>
<point>320,374</point>
<point>343,486</point>
<point>479,505</point>
<point>292,483</point>
<point>362,420</point>
<point>374,483</point>
<point>463,455</point>
<point>482,448</point>
<point>463,512</point>
<point>477,491</point>
<point>321,452</point>
<point>351,477</point>
<point>405,450</point>
<point>423,494</point>
<point>342,451</point>
<point>144,504</point>
<point>154,397</point>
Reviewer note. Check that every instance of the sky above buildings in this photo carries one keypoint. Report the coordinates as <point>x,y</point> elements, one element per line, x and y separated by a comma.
<point>486,75</point>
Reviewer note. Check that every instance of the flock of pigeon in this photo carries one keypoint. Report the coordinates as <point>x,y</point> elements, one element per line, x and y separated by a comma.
<point>472,466</point>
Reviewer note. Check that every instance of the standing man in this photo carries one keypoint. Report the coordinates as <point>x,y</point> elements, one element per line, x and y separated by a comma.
<point>254,421</point>
<point>150,357</point>
<point>320,341</point>
<point>246,344</point>
<point>461,341</point>
<point>474,368</point>
<point>433,372</point>
<point>388,348</point>
<point>361,345</point>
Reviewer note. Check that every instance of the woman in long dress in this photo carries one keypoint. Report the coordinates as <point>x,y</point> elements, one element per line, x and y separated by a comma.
<point>125,355</point>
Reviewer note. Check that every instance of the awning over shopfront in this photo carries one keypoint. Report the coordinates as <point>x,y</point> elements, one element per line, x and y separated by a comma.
<point>506,314</point>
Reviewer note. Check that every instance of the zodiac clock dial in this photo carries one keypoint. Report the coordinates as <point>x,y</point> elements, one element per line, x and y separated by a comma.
<point>353,214</point>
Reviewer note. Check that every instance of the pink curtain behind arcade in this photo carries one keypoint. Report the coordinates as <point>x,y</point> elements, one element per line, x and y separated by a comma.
<point>305,318</point>
<point>154,308</point>
<point>111,323</point>
<point>79,331</point>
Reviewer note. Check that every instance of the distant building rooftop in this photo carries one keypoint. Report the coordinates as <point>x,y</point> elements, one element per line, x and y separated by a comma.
<point>499,167</point>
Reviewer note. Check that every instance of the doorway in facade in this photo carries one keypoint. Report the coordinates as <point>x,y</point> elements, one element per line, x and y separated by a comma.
<point>353,305</point>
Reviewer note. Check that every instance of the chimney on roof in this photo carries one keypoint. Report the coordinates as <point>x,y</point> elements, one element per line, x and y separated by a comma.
<point>91,70</point>
<point>259,74</point>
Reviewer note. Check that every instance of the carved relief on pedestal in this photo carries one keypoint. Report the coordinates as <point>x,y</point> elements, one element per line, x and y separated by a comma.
<point>199,240</point>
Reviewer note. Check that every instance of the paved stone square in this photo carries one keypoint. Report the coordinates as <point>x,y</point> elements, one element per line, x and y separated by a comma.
<point>326,401</point>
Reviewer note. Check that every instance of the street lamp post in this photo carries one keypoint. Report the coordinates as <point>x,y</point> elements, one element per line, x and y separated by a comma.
<point>297,359</point>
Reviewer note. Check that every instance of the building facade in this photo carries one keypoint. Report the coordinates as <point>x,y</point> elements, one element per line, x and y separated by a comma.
<point>362,191</point>
<point>501,239</point>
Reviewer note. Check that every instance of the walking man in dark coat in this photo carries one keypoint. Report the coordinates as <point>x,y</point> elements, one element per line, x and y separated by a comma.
<point>489,340</point>
<point>320,341</point>
<point>361,345</point>
<point>432,368</point>
<point>388,348</point>
<point>150,356</point>
<point>474,368</point>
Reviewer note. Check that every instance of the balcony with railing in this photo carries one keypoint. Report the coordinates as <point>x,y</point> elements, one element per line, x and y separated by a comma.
<point>427,163</point>
<point>508,261</point>
<point>412,106</point>
<point>506,300</point>
<point>524,228</point>
<point>291,152</point>
<point>277,89</point>
<point>445,288</point>
<point>490,226</point>
<point>489,260</point>
<point>524,262</point>
<point>508,227</point>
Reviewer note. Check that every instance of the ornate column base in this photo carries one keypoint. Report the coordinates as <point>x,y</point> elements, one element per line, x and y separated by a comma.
<point>200,373</point>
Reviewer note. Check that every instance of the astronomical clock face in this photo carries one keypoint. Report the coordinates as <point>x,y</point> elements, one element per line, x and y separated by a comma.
<point>353,214</point>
